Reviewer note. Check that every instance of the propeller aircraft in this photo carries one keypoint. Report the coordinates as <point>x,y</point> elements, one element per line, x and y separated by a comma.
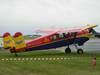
<point>53,39</point>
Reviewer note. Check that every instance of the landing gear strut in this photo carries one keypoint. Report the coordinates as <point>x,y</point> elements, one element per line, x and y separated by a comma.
<point>12,50</point>
<point>79,50</point>
<point>67,50</point>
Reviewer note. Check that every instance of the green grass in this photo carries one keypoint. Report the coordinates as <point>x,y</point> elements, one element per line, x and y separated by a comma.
<point>76,65</point>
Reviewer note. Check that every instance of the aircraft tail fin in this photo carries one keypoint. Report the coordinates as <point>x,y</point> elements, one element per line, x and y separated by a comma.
<point>20,44</point>
<point>8,41</point>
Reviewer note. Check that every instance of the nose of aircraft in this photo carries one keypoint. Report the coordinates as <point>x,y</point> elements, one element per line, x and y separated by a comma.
<point>95,33</point>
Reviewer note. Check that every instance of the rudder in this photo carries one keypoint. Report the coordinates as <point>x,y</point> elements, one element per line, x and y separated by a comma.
<point>8,41</point>
<point>20,44</point>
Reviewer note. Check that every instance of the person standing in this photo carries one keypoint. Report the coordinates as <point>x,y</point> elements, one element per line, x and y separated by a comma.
<point>94,62</point>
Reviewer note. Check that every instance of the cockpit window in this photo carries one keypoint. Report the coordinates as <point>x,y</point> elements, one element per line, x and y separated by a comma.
<point>54,37</point>
<point>57,36</point>
<point>63,35</point>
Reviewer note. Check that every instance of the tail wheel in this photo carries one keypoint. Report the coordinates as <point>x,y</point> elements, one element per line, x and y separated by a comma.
<point>80,51</point>
<point>12,50</point>
<point>67,50</point>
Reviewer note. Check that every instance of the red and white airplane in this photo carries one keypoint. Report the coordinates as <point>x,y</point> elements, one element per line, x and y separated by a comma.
<point>52,39</point>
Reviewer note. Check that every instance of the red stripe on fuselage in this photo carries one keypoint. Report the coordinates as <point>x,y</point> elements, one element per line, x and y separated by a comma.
<point>39,40</point>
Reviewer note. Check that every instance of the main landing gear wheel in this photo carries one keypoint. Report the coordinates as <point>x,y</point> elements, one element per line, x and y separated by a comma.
<point>80,51</point>
<point>67,50</point>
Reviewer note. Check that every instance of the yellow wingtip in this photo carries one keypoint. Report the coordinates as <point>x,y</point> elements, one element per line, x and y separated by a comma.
<point>88,26</point>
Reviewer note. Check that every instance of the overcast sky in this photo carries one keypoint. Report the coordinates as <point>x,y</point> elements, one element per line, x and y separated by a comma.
<point>27,15</point>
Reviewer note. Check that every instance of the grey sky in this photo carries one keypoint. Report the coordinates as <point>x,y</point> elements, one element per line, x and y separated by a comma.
<point>27,15</point>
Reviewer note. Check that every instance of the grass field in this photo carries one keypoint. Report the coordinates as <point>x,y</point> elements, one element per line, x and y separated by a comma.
<point>73,64</point>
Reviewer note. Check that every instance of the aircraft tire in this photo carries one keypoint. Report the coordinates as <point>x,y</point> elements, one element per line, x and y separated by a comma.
<point>80,51</point>
<point>67,50</point>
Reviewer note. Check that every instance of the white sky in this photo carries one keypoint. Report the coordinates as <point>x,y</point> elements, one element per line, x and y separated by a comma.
<point>27,15</point>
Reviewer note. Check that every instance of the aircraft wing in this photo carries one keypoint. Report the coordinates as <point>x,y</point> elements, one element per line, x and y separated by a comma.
<point>89,26</point>
<point>46,31</point>
<point>65,30</point>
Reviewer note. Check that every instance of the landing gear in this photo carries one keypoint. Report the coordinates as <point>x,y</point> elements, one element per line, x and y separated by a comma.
<point>12,50</point>
<point>15,53</point>
<point>79,50</point>
<point>67,50</point>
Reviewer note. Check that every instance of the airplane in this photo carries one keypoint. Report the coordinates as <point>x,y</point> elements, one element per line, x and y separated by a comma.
<point>52,39</point>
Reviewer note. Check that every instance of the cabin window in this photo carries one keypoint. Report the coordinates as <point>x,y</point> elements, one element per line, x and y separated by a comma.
<point>63,35</point>
<point>54,37</point>
<point>57,35</point>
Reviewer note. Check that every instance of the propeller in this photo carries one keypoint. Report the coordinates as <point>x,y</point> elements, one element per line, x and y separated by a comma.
<point>96,34</point>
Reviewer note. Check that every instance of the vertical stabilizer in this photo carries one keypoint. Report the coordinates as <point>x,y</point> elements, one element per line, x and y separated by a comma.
<point>20,44</point>
<point>8,41</point>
